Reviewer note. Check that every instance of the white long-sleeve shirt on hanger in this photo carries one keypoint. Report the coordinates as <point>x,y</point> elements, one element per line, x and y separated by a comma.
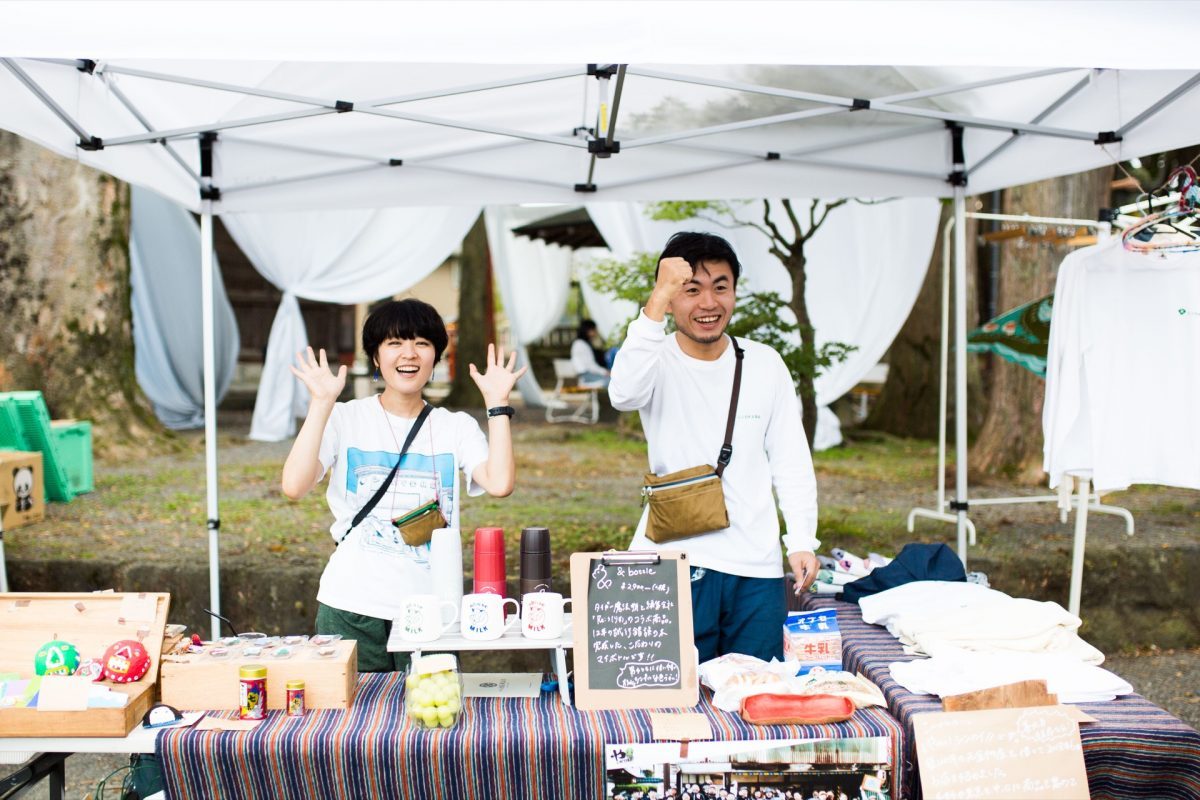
<point>1123,371</point>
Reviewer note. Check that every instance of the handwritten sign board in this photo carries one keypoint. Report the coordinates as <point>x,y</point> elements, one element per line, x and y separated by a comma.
<point>1001,754</point>
<point>633,631</point>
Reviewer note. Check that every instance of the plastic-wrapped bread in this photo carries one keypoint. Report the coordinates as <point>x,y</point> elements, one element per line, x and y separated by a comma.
<point>792,709</point>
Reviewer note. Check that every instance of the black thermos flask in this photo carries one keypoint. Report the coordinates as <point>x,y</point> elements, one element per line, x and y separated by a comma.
<point>535,560</point>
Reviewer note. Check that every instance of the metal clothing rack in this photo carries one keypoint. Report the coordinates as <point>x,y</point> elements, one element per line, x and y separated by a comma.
<point>1083,500</point>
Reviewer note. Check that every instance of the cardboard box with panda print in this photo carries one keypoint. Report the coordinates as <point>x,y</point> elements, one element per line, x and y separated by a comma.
<point>22,489</point>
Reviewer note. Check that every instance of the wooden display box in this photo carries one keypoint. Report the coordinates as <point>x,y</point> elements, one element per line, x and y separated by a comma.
<point>199,682</point>
<point>22,489</point>
<point>92,622</point>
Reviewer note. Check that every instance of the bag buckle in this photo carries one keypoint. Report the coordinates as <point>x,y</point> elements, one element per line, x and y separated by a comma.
<point>726,455</point>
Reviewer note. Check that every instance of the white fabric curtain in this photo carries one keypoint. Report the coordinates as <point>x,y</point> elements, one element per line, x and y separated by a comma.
<point>865,267</point>
<point>164,254</point>
<point>345,257</point>
<point>534,279</point>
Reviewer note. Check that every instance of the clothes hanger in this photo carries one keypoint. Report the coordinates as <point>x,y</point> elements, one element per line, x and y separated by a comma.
<point>1173,226</point>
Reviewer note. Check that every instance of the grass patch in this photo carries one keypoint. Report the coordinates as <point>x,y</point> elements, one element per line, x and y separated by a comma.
<point>880,457</point>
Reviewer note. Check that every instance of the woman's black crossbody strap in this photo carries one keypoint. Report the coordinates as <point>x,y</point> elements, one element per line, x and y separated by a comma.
<point>379,493</point>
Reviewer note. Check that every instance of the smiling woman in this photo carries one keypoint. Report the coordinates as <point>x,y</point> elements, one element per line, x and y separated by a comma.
<point>376,481</point>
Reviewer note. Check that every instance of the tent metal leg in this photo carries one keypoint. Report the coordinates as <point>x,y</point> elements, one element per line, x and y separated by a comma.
<point>1081,520</point>
<point>960,367</point>
<point>210,415</point>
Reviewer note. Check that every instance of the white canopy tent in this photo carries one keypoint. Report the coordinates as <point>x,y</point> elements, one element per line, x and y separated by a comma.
<point>221,135</point>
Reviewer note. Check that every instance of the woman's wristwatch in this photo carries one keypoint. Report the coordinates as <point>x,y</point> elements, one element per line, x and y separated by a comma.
<point>501,411</point>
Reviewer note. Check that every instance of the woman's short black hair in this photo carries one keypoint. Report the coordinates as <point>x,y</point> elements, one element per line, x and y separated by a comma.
<point>586,326</point>
<point>696,248</point>
<point>404,319</point>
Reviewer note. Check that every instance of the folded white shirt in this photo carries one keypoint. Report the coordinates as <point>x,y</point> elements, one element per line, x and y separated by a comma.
<point>931,617</point>
<point>952,673</point>
<point>923,597</point>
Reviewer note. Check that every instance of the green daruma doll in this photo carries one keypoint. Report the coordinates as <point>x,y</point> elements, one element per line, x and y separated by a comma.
<point>56,658</point>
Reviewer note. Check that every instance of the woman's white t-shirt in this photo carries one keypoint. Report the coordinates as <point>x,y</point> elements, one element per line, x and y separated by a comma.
<point>373,570</point>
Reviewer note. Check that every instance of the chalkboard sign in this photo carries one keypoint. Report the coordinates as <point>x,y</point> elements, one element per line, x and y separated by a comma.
<point>633,630</point>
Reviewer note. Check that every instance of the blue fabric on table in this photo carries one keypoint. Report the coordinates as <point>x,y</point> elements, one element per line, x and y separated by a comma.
<point>508,749</point>
<point>915,562</point>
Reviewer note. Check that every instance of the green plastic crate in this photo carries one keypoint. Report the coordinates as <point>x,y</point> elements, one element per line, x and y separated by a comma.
<point>32,421</point>
<point>73,449</point>
<point>11,437</point>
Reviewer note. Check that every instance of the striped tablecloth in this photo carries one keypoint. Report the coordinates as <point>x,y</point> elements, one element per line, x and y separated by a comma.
<point>1133,750</point>
<point>502,749</point>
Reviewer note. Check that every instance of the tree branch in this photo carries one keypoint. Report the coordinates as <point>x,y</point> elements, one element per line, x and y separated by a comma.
<point>775,235</point>
<point>828,207</point>
<point>787,206</point>
<point>737,223</point>
<point>767,221</point>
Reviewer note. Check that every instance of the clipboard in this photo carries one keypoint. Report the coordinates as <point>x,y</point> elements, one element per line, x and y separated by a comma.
<point>632,617</point>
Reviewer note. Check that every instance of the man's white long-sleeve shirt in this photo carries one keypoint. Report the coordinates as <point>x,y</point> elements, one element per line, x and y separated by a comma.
<point>684,405</point>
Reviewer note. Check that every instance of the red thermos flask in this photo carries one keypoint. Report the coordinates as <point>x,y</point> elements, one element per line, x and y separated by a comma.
<point>489,561</point>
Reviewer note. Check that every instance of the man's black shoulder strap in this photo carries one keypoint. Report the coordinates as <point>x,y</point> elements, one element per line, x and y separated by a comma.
<point>727,448</point>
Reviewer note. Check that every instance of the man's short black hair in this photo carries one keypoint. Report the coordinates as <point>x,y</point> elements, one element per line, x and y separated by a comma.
<point>695,248</point>
<point>404,319</point>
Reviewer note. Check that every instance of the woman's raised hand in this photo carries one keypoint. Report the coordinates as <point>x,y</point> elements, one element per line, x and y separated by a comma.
<point>498,379</point>
<point>314,373</point>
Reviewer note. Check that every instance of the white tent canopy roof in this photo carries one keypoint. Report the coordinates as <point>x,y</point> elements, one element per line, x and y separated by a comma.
<point>1149,34</point>
<point>303,135</point>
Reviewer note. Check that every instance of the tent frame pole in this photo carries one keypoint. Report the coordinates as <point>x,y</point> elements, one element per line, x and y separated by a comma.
<point>960,366</point>
<point>224,125</point>
<point>1045,112</point>
<point>48,101</point>
<point>210,389</point>
<point>132,109</point>
<point>758,122</point>
<point>1162,103</point>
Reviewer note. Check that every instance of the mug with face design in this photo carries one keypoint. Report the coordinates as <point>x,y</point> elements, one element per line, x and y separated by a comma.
<point>542,615</point>
<point>483,616</point>
<point>420,618</point>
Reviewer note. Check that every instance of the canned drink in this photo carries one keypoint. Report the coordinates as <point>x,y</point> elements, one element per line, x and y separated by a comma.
<point>253,691</point>
<point>295,698</point>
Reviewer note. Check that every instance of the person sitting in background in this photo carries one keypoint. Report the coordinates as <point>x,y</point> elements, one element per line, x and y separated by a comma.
<point>583,356</point>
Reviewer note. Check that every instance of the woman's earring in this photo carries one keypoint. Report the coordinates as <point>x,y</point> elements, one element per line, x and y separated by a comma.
<point>376,376</point>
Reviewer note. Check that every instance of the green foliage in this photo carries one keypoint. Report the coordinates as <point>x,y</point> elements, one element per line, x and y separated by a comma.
<point>680,210</point>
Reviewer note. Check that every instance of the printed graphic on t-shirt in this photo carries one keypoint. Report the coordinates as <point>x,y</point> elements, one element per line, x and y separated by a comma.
<point>413,486</point>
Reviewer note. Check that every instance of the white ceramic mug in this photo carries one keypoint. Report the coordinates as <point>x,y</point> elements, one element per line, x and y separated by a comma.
<point>542,615</point>
<point>483,616</point>
<point>420,618</point>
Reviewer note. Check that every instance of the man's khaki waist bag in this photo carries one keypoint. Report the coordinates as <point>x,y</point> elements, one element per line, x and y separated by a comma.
<point>691,501</point>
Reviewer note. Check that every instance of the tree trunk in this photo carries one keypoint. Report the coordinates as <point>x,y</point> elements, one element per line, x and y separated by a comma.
<point>474,309</point>
<point>1010,442</point>
<point>64,293</point>
<point>808,346</point>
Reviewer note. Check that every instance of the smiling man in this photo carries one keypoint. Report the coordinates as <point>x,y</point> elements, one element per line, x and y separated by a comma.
<point>682,384</point>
